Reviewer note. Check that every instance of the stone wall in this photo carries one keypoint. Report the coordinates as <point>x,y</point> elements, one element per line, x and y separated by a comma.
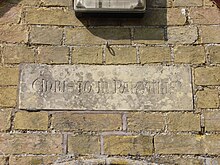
<point>172,32</point>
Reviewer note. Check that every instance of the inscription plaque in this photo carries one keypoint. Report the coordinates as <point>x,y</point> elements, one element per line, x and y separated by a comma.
<point>86,87</point>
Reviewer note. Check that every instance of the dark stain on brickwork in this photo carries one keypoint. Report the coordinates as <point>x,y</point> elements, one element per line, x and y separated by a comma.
<point>154,19</point>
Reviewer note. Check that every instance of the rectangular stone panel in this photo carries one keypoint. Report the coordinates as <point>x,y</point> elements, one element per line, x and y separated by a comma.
<point>87,87</point>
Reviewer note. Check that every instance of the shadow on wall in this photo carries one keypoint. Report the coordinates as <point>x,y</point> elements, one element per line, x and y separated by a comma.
<point>217,2</point>
<point>6,5</point>
<point>152,26</point>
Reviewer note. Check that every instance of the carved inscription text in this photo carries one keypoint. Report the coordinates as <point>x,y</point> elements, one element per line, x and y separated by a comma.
<point>99,87</point>
<point>43,86</point>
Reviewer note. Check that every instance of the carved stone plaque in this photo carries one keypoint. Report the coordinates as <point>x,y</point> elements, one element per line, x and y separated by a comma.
<point>86,87</point>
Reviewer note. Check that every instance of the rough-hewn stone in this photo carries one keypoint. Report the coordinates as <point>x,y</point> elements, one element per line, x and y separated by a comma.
<point>5,120</point>
<point>145,122</point>
<point>8,96</point>
<point>9,75</point>
<point>84,145</point>
<point>174,159</point>
<point>211,144</point>
<point>32,160</point>
<point>51,17</point>
<point>178,144</point>
<point>208,34</point>
<point>2,160</point>
<point>214,53</point>
<point>207,76</point>
<point>124,145</point>
<point>97,36</point>
<point>208,98</point>
<point>13,33</point>
<point>176,16</point>
<point>154,54</point>
<point>205,15</point>
<point>124,161</point>
<point>46,35</point>
<point>86,122</point>
<point>182,34</point>
<point>18,54</point>
<point>120,55</point>
<point>53,55</point>
<point>57,2</point>
<point>31,121</point>
<point>87,55</point>
<point>211,119</point>
<point>184,3</point>
<point>183,122</point>
<point>189,54</point>
<point>31,143</point>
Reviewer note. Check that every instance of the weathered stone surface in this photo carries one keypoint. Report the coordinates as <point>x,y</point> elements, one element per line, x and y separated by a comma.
<point>175,16</point>
<point>51,16</point>
<point>86,122</point>
<point>207,76</point>
<point>211,144</point>
<point>56,2</point>
<point>31,120</point>
<point>205,15</point>
<point>84,145</point>
<point>26,2</point>
<point>5,119</point>
<point>174,159</point>
<point>124,161</point>
<point>189,54</point>
<point>87,55</point>
<point>178,144</point>
<point>209,34</point>
<point>154,54</point>
<point>145,122</point>
<point>13,33</point>
<point>81,160</point>
<point>2,160</point>
<point>81,87</point>
<point>9,75</point>
<point>97,36</point>
<point>187,3</point>
<point>183,122</point>
<point>53,55</point>
<point>158,160</point>
<point>212,120</point>
<point>8,96</point>
<point>209,98</point>
<point>17,54</point>
<point>214,53</point>
<point>32,160</point>
<point>120,55</point>
<point>124,145</point>
<point>149,36</point>
<point>46,35</point>
<point>31,143</point>
<point>182,35</point>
